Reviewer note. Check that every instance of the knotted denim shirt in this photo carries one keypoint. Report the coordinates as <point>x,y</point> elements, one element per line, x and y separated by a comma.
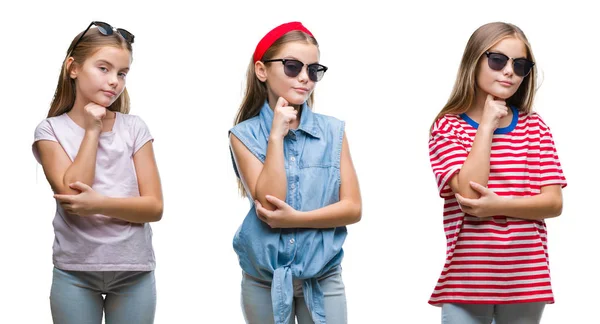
<point>312,164</point>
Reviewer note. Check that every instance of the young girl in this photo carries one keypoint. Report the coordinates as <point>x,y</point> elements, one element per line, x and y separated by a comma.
<point>296,170</point>
<point>100,164</point>
<point>499,175</point>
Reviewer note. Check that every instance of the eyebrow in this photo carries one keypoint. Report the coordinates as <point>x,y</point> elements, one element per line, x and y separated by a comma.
<point>499,51</point>
<point>290,57</point>
<point>110,64</point>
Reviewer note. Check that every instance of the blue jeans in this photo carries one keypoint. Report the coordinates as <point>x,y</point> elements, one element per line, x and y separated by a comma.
<point>523,313</point>
<point>76,297</point>
<point>258,309</point>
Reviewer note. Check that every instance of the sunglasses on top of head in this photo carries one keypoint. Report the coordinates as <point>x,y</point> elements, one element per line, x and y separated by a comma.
<point>106,30</point>
<point>497,61</point>
<point>292,68</point>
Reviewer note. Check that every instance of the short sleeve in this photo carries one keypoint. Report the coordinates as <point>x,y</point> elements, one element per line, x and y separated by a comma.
<point>447,154</point>
<point>141,133</point>
<point>248,132</point>
<point>551,172</point>
<point>250,142</point>
<point>43,132</point>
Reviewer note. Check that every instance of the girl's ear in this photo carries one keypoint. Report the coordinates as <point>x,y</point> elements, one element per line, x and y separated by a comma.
<point>72,72</point>
<point>260,70</point>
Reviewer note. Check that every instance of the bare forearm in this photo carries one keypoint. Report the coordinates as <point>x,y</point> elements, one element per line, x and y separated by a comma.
<point>132,209</point>
<point>533,207</point>
<point>272,179</point>
<point>342,213</point>
<point>476,167</point>
<point>83,167</point>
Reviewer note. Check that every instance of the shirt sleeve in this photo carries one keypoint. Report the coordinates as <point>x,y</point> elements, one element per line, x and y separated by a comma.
<point>447,154</point>
<point>43,132</point>
<point>141,133</point>
<point>551,172</point>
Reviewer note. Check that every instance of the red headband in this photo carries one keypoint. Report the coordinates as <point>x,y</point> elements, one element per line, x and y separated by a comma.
<point>274,35</point>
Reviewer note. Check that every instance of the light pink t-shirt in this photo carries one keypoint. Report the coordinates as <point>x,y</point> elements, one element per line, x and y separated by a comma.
<point>101,243</point>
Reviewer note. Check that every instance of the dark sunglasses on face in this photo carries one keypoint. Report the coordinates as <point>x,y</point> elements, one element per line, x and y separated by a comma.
<point>293,67</point>
<point>106,30</point>
<point>497,62</point>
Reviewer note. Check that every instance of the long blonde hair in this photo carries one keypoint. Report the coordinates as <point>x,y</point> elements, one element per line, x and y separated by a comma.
<point>463,93</point>
<point>92,41</point>
<point>256,91</point>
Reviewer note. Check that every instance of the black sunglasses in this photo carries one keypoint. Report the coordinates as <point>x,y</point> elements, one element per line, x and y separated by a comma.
<point>497,61</point>
<point>106,30</point>
<point>292,68</point>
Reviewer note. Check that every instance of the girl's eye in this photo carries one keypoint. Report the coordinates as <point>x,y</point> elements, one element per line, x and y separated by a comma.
<point>122,74</point>
<point>103,69</point>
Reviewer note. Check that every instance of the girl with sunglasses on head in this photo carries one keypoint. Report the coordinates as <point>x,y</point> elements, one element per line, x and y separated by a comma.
<point>294,166</point>
<point>500,177</point>
<point>100,164</point>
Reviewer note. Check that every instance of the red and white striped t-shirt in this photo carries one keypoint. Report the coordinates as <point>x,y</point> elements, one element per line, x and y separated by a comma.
<point>496,260</point>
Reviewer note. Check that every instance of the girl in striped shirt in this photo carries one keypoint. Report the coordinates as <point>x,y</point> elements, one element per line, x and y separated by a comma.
<point>500,177</point>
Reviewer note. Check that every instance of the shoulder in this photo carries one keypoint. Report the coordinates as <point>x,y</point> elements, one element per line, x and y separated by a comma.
<point>43,125</point>
<point>248,128</point>
<point>129,120</point>
<point>251,135</point>
<point>534,122</point>
<point>329,124</point>
<point>49,125</point>
<point>133,123</point>
<point>448,123</point>
<point>327,120</point>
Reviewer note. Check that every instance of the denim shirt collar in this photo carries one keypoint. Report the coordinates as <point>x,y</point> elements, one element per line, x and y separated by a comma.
<point>309,124</point>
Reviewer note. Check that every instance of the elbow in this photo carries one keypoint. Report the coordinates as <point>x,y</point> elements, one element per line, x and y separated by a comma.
<point>158,211</point>
<point>557,207</point>
<point>64,189</point>
<point>262,199</point>
<point>355,212</point>
<point>467,192</point>
<point>553,208</point>
<point>462,186</point>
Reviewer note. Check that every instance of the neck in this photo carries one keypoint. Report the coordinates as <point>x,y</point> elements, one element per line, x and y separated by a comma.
<point>78,107</point>
<point>476,109</point>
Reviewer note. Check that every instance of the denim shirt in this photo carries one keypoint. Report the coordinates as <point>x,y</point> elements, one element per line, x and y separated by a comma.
<point>312,164</point>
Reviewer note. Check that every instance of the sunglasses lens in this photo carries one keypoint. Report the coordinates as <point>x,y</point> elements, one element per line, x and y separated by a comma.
<point>497,61</point>
<point>126,35</point>
<point>104,28</point>
<point>292,68</point>
<point>316,72</point>
<point>522,67</point>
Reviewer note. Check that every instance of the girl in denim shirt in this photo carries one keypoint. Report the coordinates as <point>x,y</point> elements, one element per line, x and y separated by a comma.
<point>295,167</point>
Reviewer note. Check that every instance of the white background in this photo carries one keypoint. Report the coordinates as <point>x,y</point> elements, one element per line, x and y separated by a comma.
<point>391,71</point>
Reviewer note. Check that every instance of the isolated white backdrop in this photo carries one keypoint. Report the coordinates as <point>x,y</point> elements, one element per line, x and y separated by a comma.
<point>391,70</point>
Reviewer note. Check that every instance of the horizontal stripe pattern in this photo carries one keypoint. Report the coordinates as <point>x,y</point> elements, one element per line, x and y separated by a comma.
<point>495,260</point>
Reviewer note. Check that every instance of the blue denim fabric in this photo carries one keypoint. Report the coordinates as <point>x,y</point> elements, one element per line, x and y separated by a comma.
<point>312,163</point>
<point>76,297</point>
<point>518,313</point>
<point>257,303</point>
